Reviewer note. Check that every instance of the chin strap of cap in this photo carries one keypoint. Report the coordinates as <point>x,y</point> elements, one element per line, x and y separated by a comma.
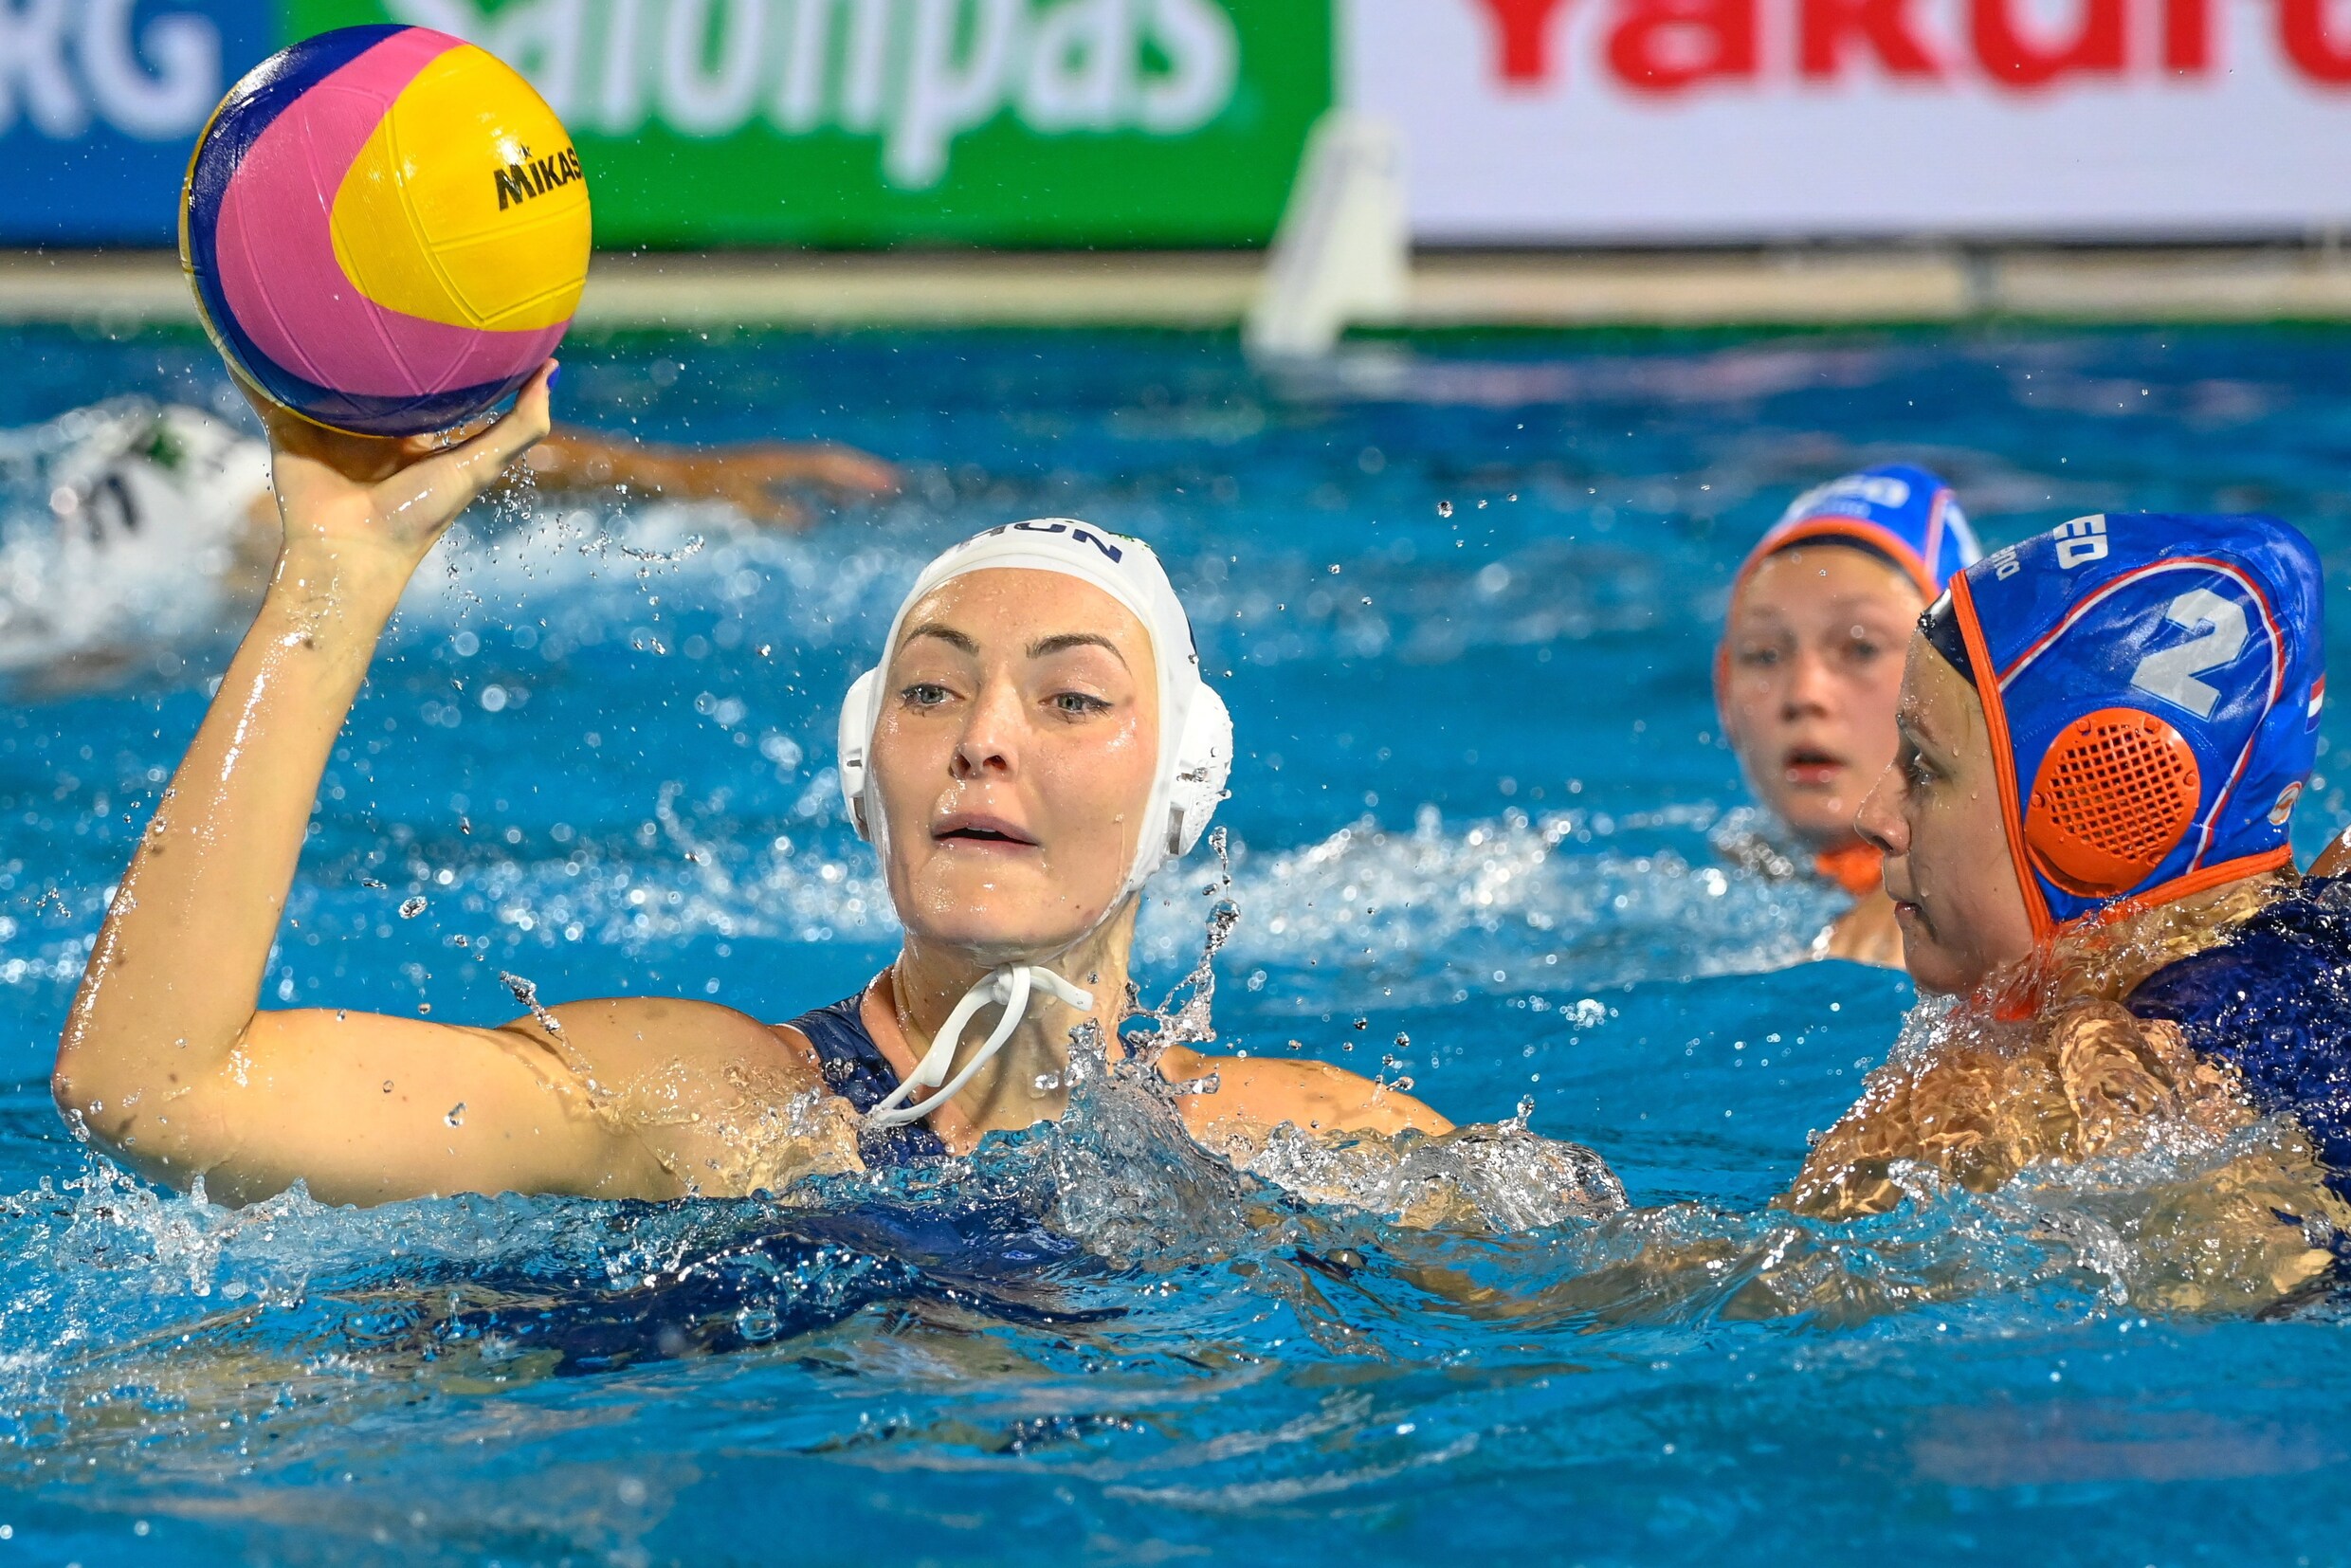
<point>1011,986</point>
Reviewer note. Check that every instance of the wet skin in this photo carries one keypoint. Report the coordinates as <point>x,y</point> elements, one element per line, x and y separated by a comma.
<point>168,1065</point>
<point>1018,737</point>
<point>1935,814</point>
<point>1811,675</point>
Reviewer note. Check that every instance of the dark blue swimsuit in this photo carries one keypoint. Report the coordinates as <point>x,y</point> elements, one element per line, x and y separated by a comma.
<point>855,1069</point>
<point>2274,1002</point>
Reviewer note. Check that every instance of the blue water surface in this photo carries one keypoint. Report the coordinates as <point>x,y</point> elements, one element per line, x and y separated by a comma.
<point>1461,593</point>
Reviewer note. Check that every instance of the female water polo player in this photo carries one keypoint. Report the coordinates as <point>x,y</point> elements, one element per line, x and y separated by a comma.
<point>1810,665</point>
<point>2104,731</point>
<point>1035,741</point>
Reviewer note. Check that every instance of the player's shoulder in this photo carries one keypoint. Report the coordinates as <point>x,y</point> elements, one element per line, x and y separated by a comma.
<point>674,1024</point>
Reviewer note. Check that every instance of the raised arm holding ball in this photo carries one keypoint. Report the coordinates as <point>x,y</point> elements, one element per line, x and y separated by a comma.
<point>1035,741</point>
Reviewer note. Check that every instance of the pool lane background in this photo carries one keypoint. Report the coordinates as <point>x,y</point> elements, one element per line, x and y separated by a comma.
<point>1473,811</point>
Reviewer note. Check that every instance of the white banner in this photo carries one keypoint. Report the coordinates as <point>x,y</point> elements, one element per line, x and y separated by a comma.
<point>1627,120</point>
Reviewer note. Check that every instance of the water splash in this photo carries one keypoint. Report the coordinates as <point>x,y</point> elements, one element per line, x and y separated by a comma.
<point>526,995</point>
<point>1432,915</point>
<point>1501,1177</point>
<point>1498,1177</point>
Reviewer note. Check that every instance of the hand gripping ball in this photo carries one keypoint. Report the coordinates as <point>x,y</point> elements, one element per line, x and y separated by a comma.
<point>387,229</point>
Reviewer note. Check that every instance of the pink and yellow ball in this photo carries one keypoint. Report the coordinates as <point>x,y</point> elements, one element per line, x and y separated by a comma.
<point>387,229</point>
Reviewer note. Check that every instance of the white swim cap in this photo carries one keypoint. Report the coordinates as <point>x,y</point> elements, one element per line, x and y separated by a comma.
<point>175,476</point>
<point>1196,732</point>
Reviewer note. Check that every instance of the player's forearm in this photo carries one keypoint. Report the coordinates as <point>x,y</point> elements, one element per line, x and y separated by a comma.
<point>178,970</point>
<point>572,460</point>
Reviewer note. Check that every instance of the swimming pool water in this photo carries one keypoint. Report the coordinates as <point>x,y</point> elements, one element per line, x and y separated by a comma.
<point>1477,827</point>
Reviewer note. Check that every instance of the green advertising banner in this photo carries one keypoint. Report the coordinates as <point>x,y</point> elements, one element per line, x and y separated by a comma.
<point>861,122</point>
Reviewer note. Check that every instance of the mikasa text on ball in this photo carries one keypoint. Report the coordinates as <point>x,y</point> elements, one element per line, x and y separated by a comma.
<point>387,229</point>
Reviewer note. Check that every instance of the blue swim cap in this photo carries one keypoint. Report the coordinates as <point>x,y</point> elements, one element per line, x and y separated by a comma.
<point>2152,686</point>
<point>1901,513</point>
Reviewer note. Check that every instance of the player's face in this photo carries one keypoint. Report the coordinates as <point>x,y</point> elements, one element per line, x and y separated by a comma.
<point>1018,739</point>
<point>1813,668</point>
<point>1936,816</point>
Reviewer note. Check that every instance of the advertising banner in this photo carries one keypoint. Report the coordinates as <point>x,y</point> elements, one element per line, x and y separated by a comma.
<point>101,101</point>
<point>715,122</point>
<point>1179,122</point>
<point>1627,121</point>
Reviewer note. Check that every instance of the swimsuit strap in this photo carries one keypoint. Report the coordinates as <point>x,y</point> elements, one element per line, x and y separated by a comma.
<point>855,1069</point>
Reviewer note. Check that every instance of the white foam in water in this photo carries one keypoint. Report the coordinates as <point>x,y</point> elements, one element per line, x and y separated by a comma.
<point>777,889</point>
<point>167,590</point>
<point>1510,906</point>
<point>593,566</point>
<point>78,579</point>
<point>1515,904</point>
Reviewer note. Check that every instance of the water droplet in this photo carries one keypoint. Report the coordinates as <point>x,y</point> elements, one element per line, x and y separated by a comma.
<point>457,1115</point>
<point>1362,1024</point>
<point>410,908</point>
<point>1444,508</point>
<point>1047,1082</point>
<point>527,993</point>
<point>387,1086</point>
<point>1402,1040</point>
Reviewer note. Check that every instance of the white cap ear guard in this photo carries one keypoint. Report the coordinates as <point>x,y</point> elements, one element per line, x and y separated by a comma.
<point>860,710</point>
<point>1195,731</point>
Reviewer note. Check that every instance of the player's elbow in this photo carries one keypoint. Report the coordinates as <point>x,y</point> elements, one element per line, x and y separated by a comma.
<point>64,1085</point>
<point>91,1086</point>
<point>152,1127</point>
<point>102,1088</point>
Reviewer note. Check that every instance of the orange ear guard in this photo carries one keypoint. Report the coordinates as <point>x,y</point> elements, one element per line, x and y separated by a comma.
<point>2116,792</point>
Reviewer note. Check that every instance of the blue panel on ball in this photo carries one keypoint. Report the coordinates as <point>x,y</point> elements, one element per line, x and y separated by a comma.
<point>247,111</point>
<point>363,415</point>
